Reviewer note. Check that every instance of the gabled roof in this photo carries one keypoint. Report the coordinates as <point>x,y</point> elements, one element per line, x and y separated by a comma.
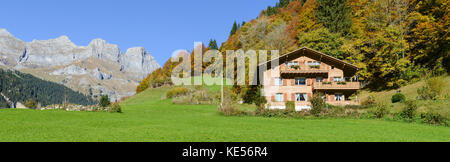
<point>319,56</point>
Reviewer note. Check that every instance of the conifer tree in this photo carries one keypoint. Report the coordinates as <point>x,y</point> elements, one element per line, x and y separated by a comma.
<point>334,15</point>
<point>234,28</point>
<point>213,44</point>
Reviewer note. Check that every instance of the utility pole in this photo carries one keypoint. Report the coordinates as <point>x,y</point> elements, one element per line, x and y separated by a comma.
<point>221,98</point>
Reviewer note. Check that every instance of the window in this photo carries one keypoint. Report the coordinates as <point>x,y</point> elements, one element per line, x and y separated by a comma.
<point>279,97</point>
<point>319,80</point>
<point>295,63</point>
<point>347,79</point>
<point>337,79</point>
<point>338,97</point>
<point>300,97</point>
<point>332,67</point>
<point>314,63</point>
<point>300,81</point>
<point>278,81</point>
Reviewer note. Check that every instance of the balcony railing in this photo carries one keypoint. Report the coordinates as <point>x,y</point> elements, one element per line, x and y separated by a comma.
<point>302,69</point>
<point>336,85</point>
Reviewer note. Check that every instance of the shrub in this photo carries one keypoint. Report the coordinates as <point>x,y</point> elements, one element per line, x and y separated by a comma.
<point>260,100</point>
<point>408,112</point>
<point>381,111</point>
<point>398,97</point>
<point>177,91</point>
<point>432,90</point>
<point>317,104</point>
<point>228,108</point>
<point>432,117</point>
<point>115,107</point>
<point>104,101</point>
<point>31,104</point>
<point>369,101</point>
<point>290,106</point>
<point>425,94</point>
<point>196,98</point>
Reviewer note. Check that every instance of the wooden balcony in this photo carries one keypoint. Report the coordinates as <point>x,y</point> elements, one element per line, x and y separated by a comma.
<point>336,85</point>
<point>284,69</point>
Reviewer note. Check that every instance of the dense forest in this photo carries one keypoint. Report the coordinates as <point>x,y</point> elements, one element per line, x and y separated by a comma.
<point>392,42</point>
<point>20,87</point>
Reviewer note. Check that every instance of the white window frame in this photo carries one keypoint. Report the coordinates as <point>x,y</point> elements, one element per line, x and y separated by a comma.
<point>319,79</point>
<point>338,97</point>
<point>337,79</point>
<point>298,95</point>
<point>297,81</point>
<point>278,81</point>
<point>279,97</point>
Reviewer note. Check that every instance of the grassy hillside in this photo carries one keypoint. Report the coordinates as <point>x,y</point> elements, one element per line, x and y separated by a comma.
<point>149,117</point>
<point>410,91</point>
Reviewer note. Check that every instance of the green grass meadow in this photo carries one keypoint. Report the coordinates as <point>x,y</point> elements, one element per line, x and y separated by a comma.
<point>149,117</point>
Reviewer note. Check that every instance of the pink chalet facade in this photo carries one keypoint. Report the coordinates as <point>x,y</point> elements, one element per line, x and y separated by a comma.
<point>304,72</point>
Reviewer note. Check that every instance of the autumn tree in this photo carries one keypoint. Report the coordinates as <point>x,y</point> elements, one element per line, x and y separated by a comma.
<point>428,37</point>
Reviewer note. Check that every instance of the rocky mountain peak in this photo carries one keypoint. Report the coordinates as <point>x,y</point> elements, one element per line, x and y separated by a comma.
<point>5,33</point>
<point>136,51</point>
<point>102,49</point>
<point>60,42</point>
<point>100,66</point>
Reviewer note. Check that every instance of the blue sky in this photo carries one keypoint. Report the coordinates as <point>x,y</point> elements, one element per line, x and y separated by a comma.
<point>161,26</point>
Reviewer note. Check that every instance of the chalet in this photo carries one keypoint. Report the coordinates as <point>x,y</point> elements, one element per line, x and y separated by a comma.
<point>302,73</point>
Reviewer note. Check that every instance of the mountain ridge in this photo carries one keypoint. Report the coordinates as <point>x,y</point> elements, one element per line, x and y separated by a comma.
<point>99,64</point>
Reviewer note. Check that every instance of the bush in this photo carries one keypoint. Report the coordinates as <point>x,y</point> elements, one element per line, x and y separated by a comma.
<point>104,101</point>
<point>317,104</point>
<point>260,100</point>
<point>370,101</point>
<point>381,111</point>
<point>398,97</point>
<point>408,112</point>
<point>432,90</point>
<point>31,104</point>
<point>115,107</point>
<point>290,106</point>
<point>176,92</point>
<point>432,117</point>
<point>197,97</point>
<point>228,108</point>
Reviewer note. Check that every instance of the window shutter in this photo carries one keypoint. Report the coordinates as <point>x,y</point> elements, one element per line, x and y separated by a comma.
<point>273,98</point>
<point>308,81</point>
<point>285,97</point>
<point>293,96</point>
<point>292,82</point>
<point>309,96</point>
<point>285,82</point>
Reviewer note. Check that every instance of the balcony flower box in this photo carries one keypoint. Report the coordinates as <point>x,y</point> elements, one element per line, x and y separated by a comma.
<point>296,67</point>
<point>341,83</point>
<point>315,66</point>
<point>326,82</point>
